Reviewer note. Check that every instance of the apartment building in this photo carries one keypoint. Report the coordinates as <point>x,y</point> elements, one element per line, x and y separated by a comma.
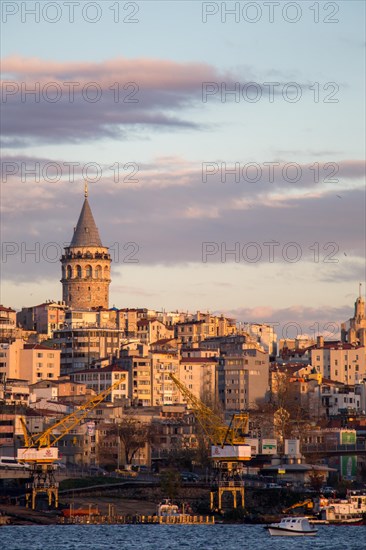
<point>10,359</point>
<point>199,375</point>
<point>30,362</point>
<point>202,326</point>
<point>339,361</point>
<point>264,335</point>
<point>152,330</point>
<point>39,362</point>
<point>101,379</point>
<point>243,380</point>
<point>44,318</point>
<point>135,359</point>
<point>8,326</point>
<point>164,391</point>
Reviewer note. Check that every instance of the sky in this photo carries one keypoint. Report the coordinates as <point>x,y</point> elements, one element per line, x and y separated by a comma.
<point>223,143</point>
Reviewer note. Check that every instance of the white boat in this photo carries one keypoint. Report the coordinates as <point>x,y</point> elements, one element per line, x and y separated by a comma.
<point>344,511</point>
<point>292,527</point>
<point>169,513</point>
<point>167,509</point>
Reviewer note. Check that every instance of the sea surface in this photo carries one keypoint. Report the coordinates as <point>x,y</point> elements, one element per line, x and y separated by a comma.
<point>174,537</point>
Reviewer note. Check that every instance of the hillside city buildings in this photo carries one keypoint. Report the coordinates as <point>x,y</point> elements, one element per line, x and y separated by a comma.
<point>55,354</point>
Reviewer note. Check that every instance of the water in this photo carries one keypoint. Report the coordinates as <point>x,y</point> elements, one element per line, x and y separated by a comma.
<point>174,537</point>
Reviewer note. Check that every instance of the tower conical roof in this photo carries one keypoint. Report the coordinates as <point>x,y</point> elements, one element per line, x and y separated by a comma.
<point>86,232</point>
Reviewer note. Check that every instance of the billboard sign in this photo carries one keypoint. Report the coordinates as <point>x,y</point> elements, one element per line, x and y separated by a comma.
<point>292,447</point>
<point>254,444</point>
<point>348,437</point>
<point>48,454</point>
<point>269,446</point>
<point>348,467</point>
<point>231,452</point>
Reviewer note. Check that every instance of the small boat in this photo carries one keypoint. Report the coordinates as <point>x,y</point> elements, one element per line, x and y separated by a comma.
<point>70,512</point>
<point>292,527</point>
<point>167,509</point>
<point>167,512</point>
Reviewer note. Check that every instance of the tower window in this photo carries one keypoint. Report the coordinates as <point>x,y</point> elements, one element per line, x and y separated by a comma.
<point>88,271</point>
<point>78,271</point>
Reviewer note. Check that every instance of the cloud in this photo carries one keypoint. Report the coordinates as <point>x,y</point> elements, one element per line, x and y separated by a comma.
<point>170,213</point>
<point>297,320</point>
<point>58,102</point>
<point>78,101</point>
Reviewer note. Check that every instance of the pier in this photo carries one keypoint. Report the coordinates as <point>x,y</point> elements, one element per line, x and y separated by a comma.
<point>182,519</point>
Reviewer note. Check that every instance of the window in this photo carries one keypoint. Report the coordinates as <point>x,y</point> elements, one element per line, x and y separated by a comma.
<point>39,354</point>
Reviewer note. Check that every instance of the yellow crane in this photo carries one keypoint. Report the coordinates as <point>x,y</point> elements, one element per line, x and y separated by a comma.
<point>306,504</point>
<point>211,423</point>
<point>220,434</point>
<point>40,450</point>
<point>228,447</point>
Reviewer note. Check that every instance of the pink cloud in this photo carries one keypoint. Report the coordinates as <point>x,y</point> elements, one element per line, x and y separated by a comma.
<point>148,73</point>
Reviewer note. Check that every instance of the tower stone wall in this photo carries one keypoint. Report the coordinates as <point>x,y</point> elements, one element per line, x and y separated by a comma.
<point>86,266</point>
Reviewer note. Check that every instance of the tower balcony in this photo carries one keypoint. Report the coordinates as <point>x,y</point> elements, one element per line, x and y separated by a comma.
<point>85,256</point>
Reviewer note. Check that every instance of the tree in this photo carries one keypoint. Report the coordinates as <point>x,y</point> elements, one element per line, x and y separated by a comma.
<point>316,480</point>
<point>170,482</point>
<point>132,435</point>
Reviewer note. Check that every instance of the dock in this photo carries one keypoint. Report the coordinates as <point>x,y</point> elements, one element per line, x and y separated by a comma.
<point>182,519</point>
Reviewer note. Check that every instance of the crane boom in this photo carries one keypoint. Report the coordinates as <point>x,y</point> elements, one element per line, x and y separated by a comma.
<point>47,439</point>
<point>66,424</point>
<point>212,424</point>
<point>26,433</point>
<point>40,450</point>
<point>228,447</point>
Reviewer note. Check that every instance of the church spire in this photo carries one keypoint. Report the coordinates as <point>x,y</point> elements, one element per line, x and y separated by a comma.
<point>86,189</point>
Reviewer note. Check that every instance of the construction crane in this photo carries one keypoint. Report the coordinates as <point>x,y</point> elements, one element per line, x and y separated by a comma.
<point>219,434</point>
<point>306,504</point>
<point>40,450</point>
<point>228,447</point>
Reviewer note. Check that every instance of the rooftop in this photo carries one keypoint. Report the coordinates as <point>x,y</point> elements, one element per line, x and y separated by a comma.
<point>110,368</point>
<point>86,232</point>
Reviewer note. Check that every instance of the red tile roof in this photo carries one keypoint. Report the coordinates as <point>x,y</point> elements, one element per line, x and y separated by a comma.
<point>109,368</point>
<point>9,309</point>
<point>198,360</point>
<point>39,346</point>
